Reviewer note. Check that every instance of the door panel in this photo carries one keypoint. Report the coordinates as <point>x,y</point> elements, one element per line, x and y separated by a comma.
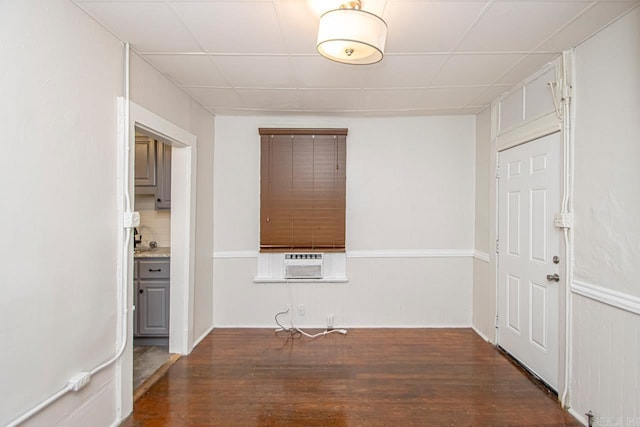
<point>513,298</point>
<point>529,196</point>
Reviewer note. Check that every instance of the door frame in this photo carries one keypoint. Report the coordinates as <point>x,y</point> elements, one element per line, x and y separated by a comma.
<point>529,130</point>
<point>183,214</point>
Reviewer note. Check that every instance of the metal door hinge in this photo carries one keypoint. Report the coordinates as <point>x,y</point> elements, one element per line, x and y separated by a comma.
<point>497,320</point>
<point>566,92</point>
<point>498,172</point>
<point>497,246</point>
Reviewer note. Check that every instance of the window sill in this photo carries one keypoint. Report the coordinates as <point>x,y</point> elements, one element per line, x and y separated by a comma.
<point>282,280</point>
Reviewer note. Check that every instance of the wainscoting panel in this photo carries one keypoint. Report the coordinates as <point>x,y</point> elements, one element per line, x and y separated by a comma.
<point>605,363</point>
<point>381,292</point>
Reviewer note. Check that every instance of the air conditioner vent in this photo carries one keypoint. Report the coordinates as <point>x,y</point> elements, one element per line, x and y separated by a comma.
<point>303,266</point>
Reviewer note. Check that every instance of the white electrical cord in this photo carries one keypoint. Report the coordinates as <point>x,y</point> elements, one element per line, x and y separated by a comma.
<point>567,206</point>
<point>71,386</point>
<point>127,208</point>
<point>292,330</point>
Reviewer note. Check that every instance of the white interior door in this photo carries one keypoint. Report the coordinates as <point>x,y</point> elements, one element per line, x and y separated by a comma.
<point>529,197</point>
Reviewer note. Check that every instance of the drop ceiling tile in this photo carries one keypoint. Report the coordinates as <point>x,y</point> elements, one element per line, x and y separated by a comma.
<point>189,70</point>
<point>256,71</point>
<point>318,7</point>
<point>475,69</point>
<point>271,99</point>
<point>149,27</point>
<point>455,97</point>
<point>315,71</point>
<point>394,71</point>
<point>115,1</point>
<point>585,25</point>
<point>233,26</point>
<point>299,26</point>
<point>216,97</point>
<point>395,99</point>
<point>416,27</point>
<point>265,99</point>
<point>415,99</point>
<point>403,71</point>
<point>468,111</point>
<point>518,25</point>
<point>529,65</point>
<point>489,94</point>
<point>328,100</point>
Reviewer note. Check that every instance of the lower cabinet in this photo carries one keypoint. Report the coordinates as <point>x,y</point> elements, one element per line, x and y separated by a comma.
<point>151,288</point>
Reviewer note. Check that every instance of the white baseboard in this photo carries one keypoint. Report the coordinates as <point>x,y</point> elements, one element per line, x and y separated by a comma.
<point>348,326</point>
<point>577,416</point>
<point>483,336</point>
<point>203,336</point>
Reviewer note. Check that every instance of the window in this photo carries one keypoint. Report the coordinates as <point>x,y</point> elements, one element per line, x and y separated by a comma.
<point>302,189</point>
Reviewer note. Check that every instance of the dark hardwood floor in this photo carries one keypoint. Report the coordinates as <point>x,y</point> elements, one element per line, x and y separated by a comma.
<point>370,377</point>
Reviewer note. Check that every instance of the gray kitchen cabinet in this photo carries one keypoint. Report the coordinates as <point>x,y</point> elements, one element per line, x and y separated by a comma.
<point>153,170</point>
<point>163,191</point>
<point>153,308</point>
<point>145,165</point>
<point>152,291</point>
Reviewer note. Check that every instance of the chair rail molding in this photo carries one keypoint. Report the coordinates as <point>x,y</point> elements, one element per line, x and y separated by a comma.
<point>611,297</point>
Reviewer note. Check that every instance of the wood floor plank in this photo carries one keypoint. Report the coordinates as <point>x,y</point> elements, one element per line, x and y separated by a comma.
<point>370,377</point>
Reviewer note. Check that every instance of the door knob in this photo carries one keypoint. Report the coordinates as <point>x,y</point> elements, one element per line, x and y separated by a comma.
<point>553,277</point>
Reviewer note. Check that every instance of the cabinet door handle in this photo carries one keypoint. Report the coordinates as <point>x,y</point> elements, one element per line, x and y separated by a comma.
<point>141,291</point>
<point>155,270</point>
<point>159,200</point>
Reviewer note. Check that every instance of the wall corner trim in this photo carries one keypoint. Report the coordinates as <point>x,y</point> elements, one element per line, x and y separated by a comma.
<point>611,297</point>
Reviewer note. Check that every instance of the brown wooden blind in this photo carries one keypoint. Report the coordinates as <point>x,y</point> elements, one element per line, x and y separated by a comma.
<point>302,189</point>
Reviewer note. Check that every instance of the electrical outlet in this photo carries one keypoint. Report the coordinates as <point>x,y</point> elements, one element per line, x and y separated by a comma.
<point>300,309</point>
<point>330,320</point>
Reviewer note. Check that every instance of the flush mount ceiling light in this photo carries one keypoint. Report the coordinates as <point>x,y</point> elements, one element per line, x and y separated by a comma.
<point>351,35</point>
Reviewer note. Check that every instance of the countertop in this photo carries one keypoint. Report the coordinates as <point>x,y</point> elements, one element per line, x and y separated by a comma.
<point>159,252</point>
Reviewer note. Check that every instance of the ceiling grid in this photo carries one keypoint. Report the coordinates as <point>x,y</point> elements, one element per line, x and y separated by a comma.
<point>441,57</point>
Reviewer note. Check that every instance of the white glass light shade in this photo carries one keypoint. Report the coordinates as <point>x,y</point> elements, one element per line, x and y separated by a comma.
<point>352,36</point>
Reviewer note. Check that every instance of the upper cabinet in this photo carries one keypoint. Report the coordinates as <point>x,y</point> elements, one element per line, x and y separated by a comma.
<point>163,193</point>
<point>145,165</point>
<point>153,170</point>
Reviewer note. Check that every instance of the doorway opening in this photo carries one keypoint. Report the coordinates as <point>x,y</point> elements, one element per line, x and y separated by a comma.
<point>152,254</point>
<point>178,301</point>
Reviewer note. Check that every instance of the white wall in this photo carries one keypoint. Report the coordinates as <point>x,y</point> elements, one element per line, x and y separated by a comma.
<point>410,186</point>
<point>607,155</point>
<point>61,74</point>
<point>606,339</point>
<point>484,291</point>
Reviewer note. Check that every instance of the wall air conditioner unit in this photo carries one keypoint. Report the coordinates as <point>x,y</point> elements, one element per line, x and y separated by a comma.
<point>303,266</point>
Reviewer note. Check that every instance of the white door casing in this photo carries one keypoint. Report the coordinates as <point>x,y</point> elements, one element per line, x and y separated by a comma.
<point>528,303</point>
